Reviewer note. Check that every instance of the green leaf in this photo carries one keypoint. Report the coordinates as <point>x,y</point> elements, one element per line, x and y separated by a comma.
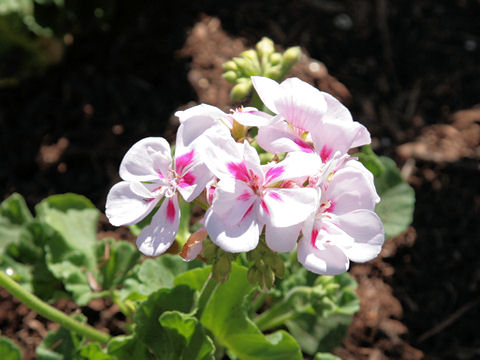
<point>187,336</point>
<point>397,196</point>
<point>154,274</point>
<point>224,314</point>
<point>116,259</point>
<point>60,345</point>
<point>149,330</point>
<point>15,210</point>
<point>75,218</point>
<point>93,351</point>
<point>9,350</point>
<point>129,348</point>
<point>397,199</point>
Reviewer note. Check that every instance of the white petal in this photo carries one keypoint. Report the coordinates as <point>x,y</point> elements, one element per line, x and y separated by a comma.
<point>232,206</point>
<point>218,151</point>
<point>329,261</point>
<point>350,190</point>
<point>198,176</point>
<point>233,238</point>
<point>367,230</point>
<point>279,138</point>
<point>146,159</point>
<point>336,111</point>
<point>200,110</point>
<point>296,165</point>
<point>282,239</point>
<point>301,104</point>
<point>290,206</point>
<point>268,90</point>
<point>125,207</point>
<point>329,137</point>
<point>157,237</point>
<point>250,116</point>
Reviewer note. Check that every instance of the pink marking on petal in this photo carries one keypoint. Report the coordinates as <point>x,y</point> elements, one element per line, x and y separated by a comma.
<point>325,153</point>
<point>183,161</point>
<point>249,210</point>
<point>313,238</point>
<point>303,145</point>
<point>264,206</point>
<point>170,211</point>
<point>245,196</point>
<point>210,194</point>
<point>275,195</point>
<point>273,173</point>
<point>149,200</point>
<point>239,171</point>
<point>188,179</point>
<point>331,208</point>
<point>160,175</point>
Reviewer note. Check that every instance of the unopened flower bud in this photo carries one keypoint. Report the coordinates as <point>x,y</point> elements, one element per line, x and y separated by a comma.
<point>291,56</point>
<point>230,66</point>
<point>268,279</point>
<point>221,268</point>
<point>265,47</point>
<point>230,76</point>
<point>275,72</point>
<point>278,267</point>
<point>275,58</point>
<point>241,91</point>
<point>241,63</point>
<point>250,55</point>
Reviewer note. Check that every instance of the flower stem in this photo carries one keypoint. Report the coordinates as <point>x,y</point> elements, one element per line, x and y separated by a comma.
<point>282,311</point>
<point>50,312</point>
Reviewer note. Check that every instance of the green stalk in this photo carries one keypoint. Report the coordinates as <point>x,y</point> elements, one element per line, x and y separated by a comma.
<point>49,312</point>
<point>282,311</point>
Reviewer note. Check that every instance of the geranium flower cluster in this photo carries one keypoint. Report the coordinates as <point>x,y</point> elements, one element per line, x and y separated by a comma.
<point>313,195</point>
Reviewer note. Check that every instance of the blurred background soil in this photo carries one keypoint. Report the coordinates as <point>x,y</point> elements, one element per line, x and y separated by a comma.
<point>409,71</point>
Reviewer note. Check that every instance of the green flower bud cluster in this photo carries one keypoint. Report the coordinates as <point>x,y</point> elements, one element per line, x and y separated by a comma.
<point>266,266</point>
<point>221,260</point>
<point>263,61</point>
<point>334,294</point>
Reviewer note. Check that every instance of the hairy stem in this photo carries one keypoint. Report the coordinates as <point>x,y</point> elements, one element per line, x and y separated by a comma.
<point>49,312</point>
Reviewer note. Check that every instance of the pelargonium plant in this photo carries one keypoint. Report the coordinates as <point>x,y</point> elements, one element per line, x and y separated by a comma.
<point>269,195</point>
<point>312,195</point>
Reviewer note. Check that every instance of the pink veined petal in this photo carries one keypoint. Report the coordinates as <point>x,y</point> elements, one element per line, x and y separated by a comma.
<point>366,228</point>
<point>232,206</point>
<point>290,206</point>
<point>138,163</point>
<point>301,104</point>
<point>184,161</point>
<point>252,161</point>
<point>282,239</point>
<point>218,151</point>
<point>350,190</point>
<point>233,238</point>
<point>125,207</point>
<point>329,261</point>
<point>193,180</point>
<point>157,237</point>
<point>299,165</point>
<point>279,138</point>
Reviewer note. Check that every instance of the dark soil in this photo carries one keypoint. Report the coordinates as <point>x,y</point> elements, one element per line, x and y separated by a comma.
<point>405,69</point>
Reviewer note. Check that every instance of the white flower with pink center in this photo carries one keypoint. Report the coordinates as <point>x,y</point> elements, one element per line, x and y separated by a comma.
<point>344,227</point>
<point>307,120</point>
<point>150,176</point>
<point>250,196</point>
